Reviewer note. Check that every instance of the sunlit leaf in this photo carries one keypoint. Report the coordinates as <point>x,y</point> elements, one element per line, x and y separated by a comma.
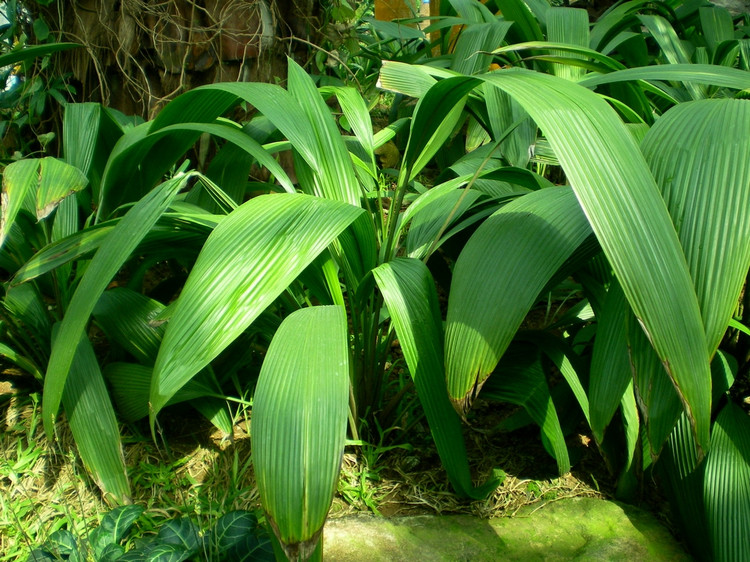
<point>247,261</point>
<point>299,424</point>
<point>106,263</point>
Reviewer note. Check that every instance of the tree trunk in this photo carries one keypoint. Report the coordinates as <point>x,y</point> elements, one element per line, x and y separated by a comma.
<point>139,53</point>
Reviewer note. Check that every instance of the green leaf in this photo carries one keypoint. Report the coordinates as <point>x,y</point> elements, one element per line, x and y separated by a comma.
<point>682,478</point>
<point>566,361</point>
<point>57,180</point>
<point>90,132</point>
<point>657,397</point>
<point>626,212</point>
<point>428,133</point>
<point>409,294</point>
<point>174,235</point>
<point>299,424</point>
<point>34,51</point>
<point>126,318</point>
<point>108,260</point>
<point>47,181</point>
<point>610,374</point>
<point>181,532</point>
<point>526,26</point>
<point>19,182</point>
<point>520,380</point>
<point>471,54</point>
<point>93,424</point>
<point>726,488</point>
<point>114,527</point>
<point>355,110</point>
<point>248,261</point>
<point>697,73</point>
<point>61,543</point>
<point>232,528</point>
<point>569,26</point>
<point>20,361</point>
<point>698,153</point>
<point>131,385</point>
<point>492,291</point>
<point>717,26</point>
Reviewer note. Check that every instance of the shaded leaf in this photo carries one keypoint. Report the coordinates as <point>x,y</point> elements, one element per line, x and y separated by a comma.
<point>409,294</point>
<point>492,291</point>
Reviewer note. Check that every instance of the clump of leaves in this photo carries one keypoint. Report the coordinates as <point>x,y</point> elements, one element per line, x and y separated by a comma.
<point>236,536</point>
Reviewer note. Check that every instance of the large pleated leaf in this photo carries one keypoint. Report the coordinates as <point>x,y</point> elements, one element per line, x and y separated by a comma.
<point>90,132</point>
<point>93,424</point>
<point>620,198</point>
<point>498,277</point>
<point>505,113</point>
<point>698,153</point>
<point>568,25</point>
<point>131,384</point>
<point>45,181</point>
<point>672,48</point>
<point>427,134</point>
<point>174,234</point>
<point>358,118</point>
<point>726,488</point>
<point>411,298</point>
<point>299,424</point>
<point>431,220</point>
<point>108,260</point>
<point>567,362</point>
<point>247,261</point>
<point>697,73</point>
<point>685,481</point>
<point>717,25</point>
<point>610,372</point>
<point>627,482</point>
<point>657,396</point>
<point>471,54</point>
<point>682,479</point>
<point>526,27</point>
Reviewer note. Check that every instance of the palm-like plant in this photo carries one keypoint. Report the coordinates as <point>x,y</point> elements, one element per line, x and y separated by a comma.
<point>661,262</point>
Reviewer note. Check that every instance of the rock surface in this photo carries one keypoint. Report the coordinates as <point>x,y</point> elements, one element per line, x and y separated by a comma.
<point>570,529</point>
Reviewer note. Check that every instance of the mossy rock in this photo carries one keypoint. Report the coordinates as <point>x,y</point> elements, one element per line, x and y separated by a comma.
<point>570,529</point>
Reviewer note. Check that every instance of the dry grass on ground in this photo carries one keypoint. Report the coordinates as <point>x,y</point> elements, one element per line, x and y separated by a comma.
<point>205,475</point>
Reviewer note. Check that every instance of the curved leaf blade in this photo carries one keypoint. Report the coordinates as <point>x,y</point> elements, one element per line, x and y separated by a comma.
<point>698,152</point>
<point>624,207</point>
<point>247,261</point>
<point>493,290</point>
<point>726,488</point>
<point>113,252</point>
<point>93,424</point>
<point>299,424</point>
<point>409,294</point>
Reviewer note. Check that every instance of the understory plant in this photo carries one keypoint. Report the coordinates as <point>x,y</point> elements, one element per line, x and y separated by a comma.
<point>569,173</point>
<point>235,537</point>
